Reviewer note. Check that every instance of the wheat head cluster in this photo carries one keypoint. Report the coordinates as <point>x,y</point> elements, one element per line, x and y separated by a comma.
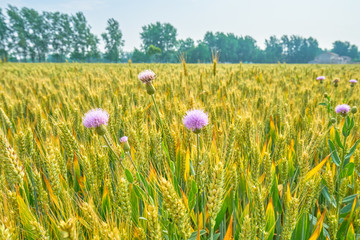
<point>179,151</point>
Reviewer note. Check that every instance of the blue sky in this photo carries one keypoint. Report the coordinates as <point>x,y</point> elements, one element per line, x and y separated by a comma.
<point>326,20</point>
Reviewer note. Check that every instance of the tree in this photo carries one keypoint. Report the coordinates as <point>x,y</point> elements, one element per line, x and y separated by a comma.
<point>210,40</point>
<point>248,50</point>
<point>227,45</point>
<point>37,33</point>
<point>113,40</point>
<point>160,35</point>
<point>186,45</point>
<point>60,35</point>
<point>17,33</point>
<point>298,49</point>
<point>354,52</point>
<point>309,49</point>
<point>345,49</point>
<point>231,47</point>
<point>153,53</point>
<point>4,38</point>
<point>273,50</point>
<point>92,50</point>
<point>80,36</point>
<point>201,53</point>
<point>139,57</point>
<point>341,48</point>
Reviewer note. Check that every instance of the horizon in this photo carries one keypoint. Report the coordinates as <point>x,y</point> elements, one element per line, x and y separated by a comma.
<point>276,18</point>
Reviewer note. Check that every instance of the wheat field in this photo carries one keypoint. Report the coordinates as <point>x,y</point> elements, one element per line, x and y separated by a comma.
<point>276,161</point>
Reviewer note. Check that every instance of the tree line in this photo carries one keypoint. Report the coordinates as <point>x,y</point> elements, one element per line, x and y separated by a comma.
<point>29,36</point>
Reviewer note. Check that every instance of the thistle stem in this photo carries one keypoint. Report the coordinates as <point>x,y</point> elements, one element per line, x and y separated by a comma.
<point>197,177</point>
<point>132,162</point>
<point>203,210</point>
<point>112,150</point>
<point>157,110</point>
<point>136,169</point>
<point>160,120</point>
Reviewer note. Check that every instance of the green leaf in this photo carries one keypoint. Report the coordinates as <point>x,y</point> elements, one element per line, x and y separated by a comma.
<point>337,139</point>
<point>352,150</point>
<point>222,212</point>
<point>348,170</point>
<point>129,176</point>
<point>346,128</point>
<point>172,166</point>
<point>178,164</point>
<point>275,196</point>
<point>327,196</point>
<point>134,202</point>
<point>347,209</point>
<point>270,220</point>
<point>194,234</point>
<point>349,199</point>
<point>216,236</point>
<point>334,155</point>
<point>323,104</point>
<point>350,233</point>
<point>192,169</point>
<point>166,151</point>
<point>352,123</point>
<point>348,212</point>
<point>177,186</point>
<point>139,192</point>
<point>302,231</point>
<point>143,181</point>
<point>192,195</point>
<point>105,202</point>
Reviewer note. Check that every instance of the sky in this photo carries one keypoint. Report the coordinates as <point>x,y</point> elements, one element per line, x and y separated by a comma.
<point>325,20</point>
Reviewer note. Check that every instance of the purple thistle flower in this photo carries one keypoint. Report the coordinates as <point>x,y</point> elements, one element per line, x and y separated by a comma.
<point>147,76</point>
<point>95,118</point>
<point>320,78</point>
<point>342,109</point>
<point>353,81</point>
<point>195,120</point>
<point>123,139</point>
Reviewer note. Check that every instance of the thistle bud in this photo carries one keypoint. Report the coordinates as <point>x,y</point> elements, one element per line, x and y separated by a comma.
<point>353,110</point>
<point>125,144</point>
<point>150,88</point>
<point>101,130</point>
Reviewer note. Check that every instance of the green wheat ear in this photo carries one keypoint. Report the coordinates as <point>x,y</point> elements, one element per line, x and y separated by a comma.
<point>68,229</point>
<point>290,221</point>
<point>153,227</point>
<point>11,164</point>
<point>175,207</point>
<point>215,190</point>
<point>123,198</point>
